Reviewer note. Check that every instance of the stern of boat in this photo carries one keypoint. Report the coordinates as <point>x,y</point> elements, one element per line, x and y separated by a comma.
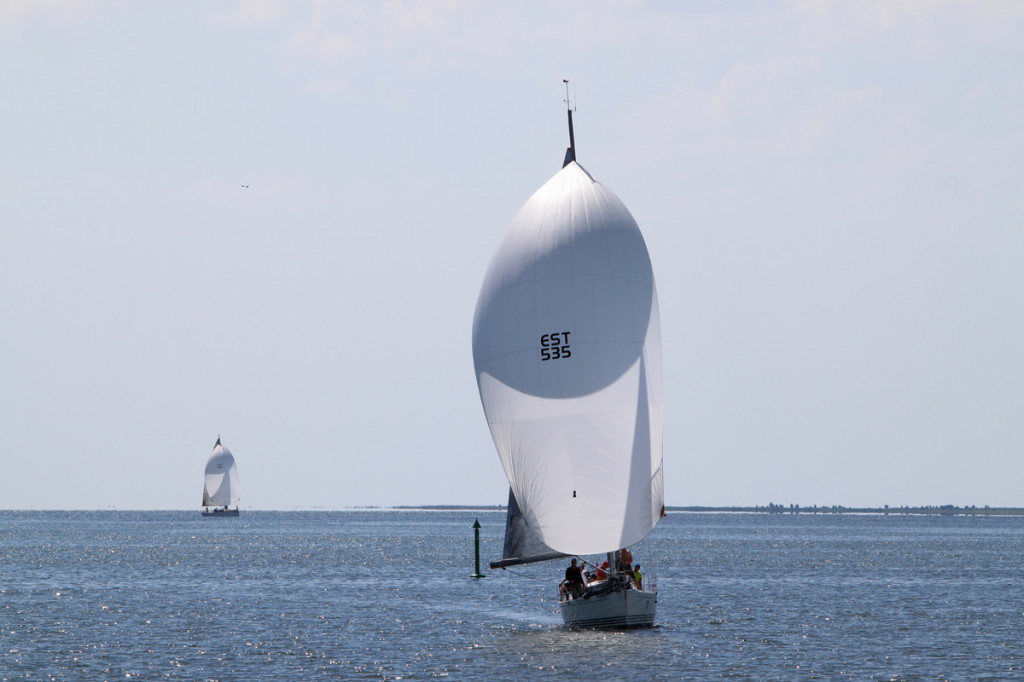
<point>616,608</point>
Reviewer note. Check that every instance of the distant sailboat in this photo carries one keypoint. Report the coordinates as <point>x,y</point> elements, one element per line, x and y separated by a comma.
<point>567,352</point>
<point>220,489</point>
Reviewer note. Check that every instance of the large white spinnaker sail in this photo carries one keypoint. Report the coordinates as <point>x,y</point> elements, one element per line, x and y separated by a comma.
<point>567,351</point>
<point>221,485</point>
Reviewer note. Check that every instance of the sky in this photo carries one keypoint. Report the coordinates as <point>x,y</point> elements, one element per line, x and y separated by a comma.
<point>269,222</point>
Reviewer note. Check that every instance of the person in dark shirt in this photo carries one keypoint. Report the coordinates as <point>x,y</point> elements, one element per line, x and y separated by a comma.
<point>574,579</point>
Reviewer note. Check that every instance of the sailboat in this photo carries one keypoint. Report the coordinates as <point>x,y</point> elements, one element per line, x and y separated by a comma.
<point>220,489</point>
<point>567,352</point>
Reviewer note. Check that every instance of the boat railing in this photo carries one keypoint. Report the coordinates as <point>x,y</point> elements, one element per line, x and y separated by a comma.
<point>650,584</point>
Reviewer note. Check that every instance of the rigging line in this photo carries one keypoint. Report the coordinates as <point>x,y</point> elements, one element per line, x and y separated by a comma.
<point>528,577</point>
<point>544,580</point>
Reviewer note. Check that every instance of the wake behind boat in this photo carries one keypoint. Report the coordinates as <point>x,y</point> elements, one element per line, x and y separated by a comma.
<point>567,352</point>
<point>220,487</point>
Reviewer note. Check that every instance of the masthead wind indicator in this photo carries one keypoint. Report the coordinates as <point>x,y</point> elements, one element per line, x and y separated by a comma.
<point>570,153</point>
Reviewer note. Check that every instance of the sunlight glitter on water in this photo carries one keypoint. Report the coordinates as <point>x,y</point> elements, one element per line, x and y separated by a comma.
<point>387,596</point>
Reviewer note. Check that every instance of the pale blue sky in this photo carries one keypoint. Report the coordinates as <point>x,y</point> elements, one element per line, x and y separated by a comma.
<point>830,193</point>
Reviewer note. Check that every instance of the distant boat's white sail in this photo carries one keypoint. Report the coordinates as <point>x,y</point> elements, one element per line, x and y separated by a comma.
<point>567,350</point>
<point>221,487</point>
<point>522,543</point>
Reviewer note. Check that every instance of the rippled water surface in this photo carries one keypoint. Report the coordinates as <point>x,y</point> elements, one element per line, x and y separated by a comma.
<point>389,595</point>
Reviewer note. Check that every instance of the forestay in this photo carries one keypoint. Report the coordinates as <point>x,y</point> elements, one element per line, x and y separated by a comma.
<point>567,350</point>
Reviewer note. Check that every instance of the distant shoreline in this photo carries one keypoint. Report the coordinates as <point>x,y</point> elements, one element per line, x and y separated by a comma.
<point>941,510</point>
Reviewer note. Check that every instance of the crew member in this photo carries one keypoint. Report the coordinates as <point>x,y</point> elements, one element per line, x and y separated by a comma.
<point>574,579</point>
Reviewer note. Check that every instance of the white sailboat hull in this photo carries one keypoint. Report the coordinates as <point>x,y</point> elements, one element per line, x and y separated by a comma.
<point>212,513</point>
<point>621,609</point>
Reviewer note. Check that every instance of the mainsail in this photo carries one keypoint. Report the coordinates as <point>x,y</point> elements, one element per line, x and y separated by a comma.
<point>567,351</point>
<point>221,486</point>
<point>522,543</point>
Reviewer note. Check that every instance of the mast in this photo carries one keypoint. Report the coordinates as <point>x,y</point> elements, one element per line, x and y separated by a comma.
<point>570,153</point>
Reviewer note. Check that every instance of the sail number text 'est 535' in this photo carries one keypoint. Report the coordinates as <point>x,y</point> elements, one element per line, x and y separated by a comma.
<point>555,346</point>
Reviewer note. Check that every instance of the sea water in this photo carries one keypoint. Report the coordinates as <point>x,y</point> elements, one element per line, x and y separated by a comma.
<point>387,595</point>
